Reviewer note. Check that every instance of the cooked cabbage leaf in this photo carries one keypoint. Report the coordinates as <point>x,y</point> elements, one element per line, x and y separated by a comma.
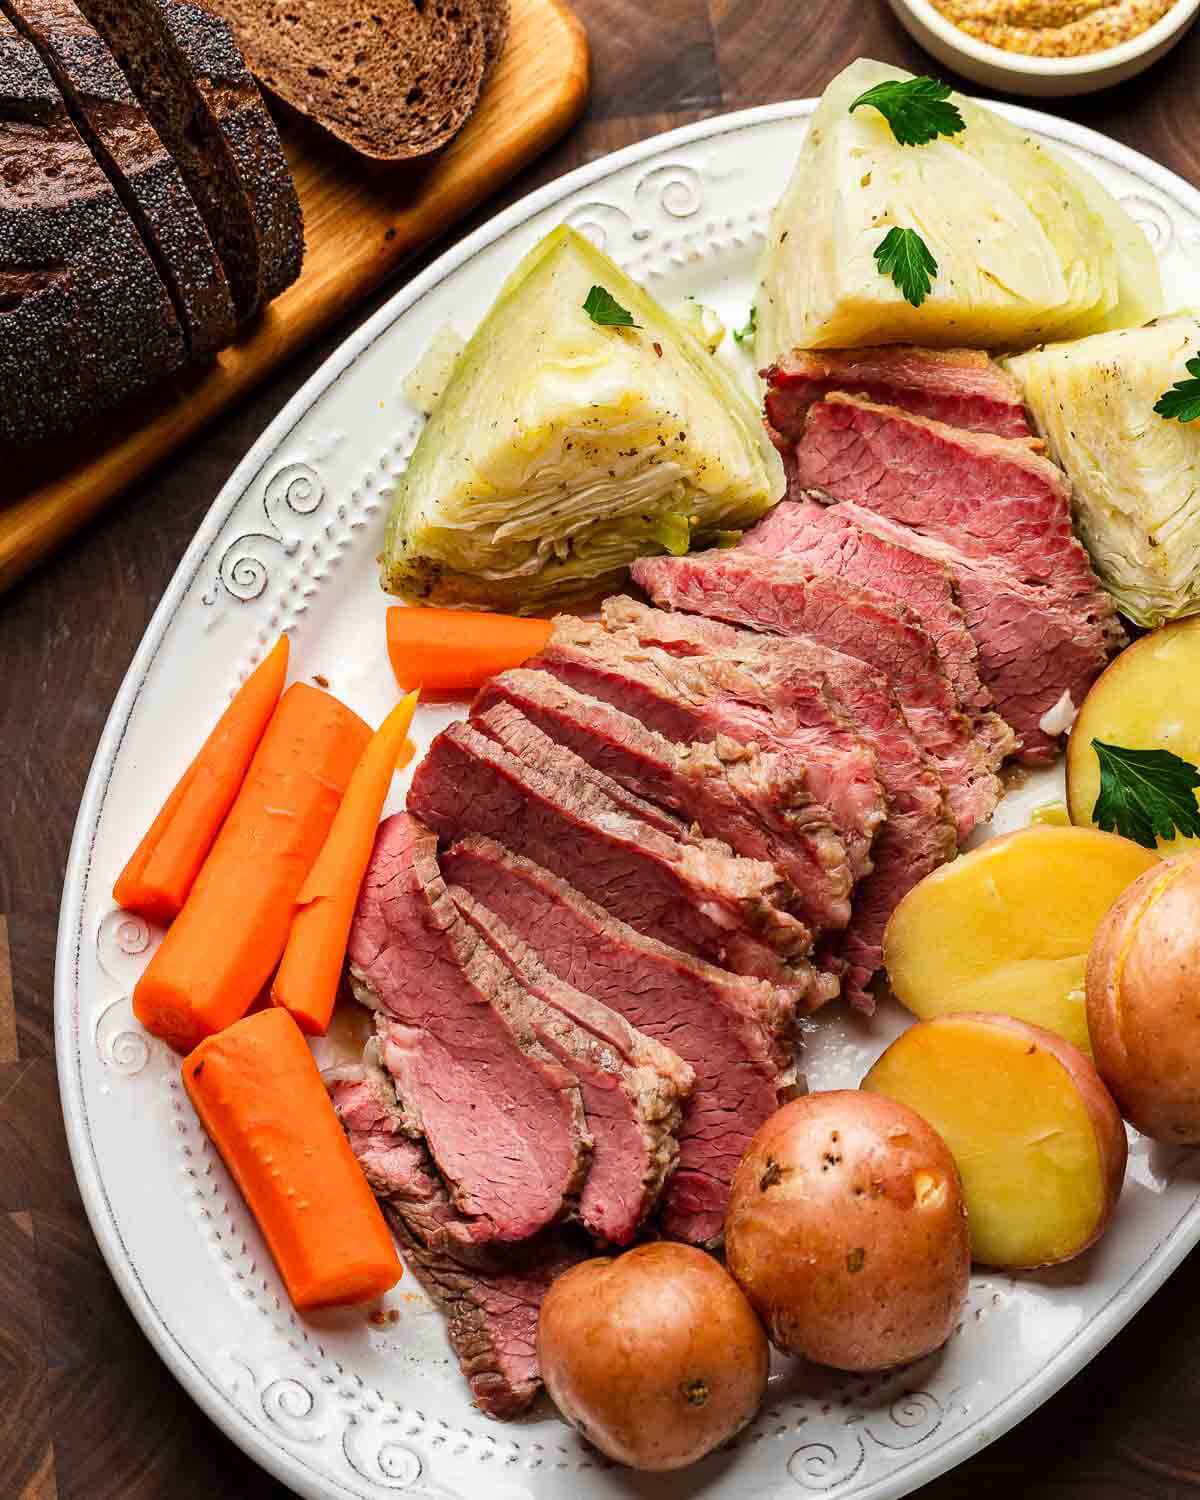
<point>1027,246</point>
<point>562,450</point>
<point>1136,475</point>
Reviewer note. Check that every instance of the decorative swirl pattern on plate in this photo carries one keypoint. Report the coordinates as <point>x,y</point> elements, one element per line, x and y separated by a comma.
<point>126,1049</point>
<point>1153,220</point>
<point>243,573</point>
<point>600,221</point>
<point>387,1463</point>
<point>820,1467</point>
<point>678,186</point>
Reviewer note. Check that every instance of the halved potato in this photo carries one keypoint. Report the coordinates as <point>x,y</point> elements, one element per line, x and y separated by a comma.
<point>1148,699</point>
<point>1038,1141</point>
<point>1007,928</point>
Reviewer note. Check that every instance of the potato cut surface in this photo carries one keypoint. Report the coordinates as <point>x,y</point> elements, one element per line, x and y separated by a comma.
<point>1018,1128</point>
<point>1007,928</point>
<point>1148,699</point>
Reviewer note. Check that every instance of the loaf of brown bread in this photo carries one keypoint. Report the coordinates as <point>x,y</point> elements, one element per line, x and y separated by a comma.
<point>187,72</point>
<point>391,78</point>
<point>85,319</point>
<point>136,163</point>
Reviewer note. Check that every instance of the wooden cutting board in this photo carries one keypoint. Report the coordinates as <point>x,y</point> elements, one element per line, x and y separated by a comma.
<point>362,220</point>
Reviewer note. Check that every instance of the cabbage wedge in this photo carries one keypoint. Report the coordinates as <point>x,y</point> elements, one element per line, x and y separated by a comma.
<point>1028,246</point>
<point>562,448</point>
<point>1136,475</point>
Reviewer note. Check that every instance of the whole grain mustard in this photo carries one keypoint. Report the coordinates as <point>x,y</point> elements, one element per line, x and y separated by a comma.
<point>1053,28</point>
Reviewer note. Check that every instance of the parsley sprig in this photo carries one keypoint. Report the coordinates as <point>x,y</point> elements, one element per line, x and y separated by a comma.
<point>917,109</point>
<point>603,308</point>
<point>744,335</point>
<point>1182,401</point>
<point>1146,795</point>
<point>904,256</point>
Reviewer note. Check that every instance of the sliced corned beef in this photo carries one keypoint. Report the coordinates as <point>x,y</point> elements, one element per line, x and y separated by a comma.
<point>960,386</point>
<point>756,802</point>
<point>785,597</point>
<point>632,1086</point>
<point>827,539</point>
<point>993,498</point>
<point>729,1028</point>
<point>547,805</point>
<point>917,836</point>
<point>502,1116</point>
<point>713,701</point>
<point>1031,652</point>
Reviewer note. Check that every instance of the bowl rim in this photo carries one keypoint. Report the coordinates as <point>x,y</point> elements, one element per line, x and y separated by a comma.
<point>1162,31</point>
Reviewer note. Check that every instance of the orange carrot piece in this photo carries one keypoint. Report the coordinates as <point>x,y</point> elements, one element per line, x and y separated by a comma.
<point>259,1095</point>
<point>455,650</point>
<point>225,943</point>
<point>164,866</point>
<point>306,982</point>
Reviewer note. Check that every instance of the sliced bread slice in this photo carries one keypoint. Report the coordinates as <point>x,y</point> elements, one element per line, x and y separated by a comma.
<point>391,78</point>
<point>184,65</point>
<point>85,319</point>
<point>136,163</point>
<point>496,16</point>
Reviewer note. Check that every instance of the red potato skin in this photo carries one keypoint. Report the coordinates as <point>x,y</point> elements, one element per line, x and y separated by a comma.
<point>825,1235</point>
<point>656,1357</point>
<point>1143,1002</point>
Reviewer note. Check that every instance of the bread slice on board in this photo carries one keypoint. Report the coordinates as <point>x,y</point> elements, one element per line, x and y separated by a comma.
<point>185,68</point>
<point>85,319</point>
<point>391,78</point>
<point>136,163</point>
<point>496,16</point>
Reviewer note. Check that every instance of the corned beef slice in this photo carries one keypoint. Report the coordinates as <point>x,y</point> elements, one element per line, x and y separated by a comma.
<point>502,1117</point>
<point>1031,652</point>
<point>728,1027</point>
<point>709,701</point>
<point>993,498</point>
<point>959,386</point>
<point>491,1294</point>
<point>756,802</point>
<point>784,597</point>
<point>547,805</point>
<point>917,836</point>
<point>632,1087</point>
<point>825,539</point>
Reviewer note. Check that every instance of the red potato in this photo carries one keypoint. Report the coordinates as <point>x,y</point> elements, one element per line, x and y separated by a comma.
<point>656,1356</point>
<point>1039,1143</point>
<point>846,1230</point>
<point>1143,1001</point>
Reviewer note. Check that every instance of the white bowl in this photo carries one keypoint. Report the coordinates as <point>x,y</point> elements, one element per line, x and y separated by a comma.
<point>1045,77</point>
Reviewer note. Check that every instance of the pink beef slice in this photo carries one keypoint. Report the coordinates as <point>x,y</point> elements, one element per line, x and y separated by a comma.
<point>502,1116</point>
<point>786,598</point>
<point>826,539</point>
<point>546,804</point>
<point>962,387</point>
<point>718,703</point>
<point>491,1294</point>
<point>1031,652</point>
<point>918,835</point>
<point>756,802</point>
<point>994,499</point>
<point>633,1088</point>
<point>731,1030</point>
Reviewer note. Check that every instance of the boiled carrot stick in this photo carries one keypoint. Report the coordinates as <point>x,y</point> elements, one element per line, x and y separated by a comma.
<point>454,650</point>
<point>225,943</point>
<point>163,867</point>
<point>259,1096</point>
<point>306,982</point>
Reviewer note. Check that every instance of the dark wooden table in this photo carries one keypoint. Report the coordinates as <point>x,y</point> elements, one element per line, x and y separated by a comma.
<point>88,1411</point>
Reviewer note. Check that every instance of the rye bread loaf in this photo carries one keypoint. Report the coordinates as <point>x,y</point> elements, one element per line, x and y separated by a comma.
<point>184,66</point>
<point>392,78</point>
<point>85,319</point>
<point>136,163</point>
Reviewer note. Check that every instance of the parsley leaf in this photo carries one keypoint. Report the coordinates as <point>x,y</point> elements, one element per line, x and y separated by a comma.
<point>1182,401</point>
<point>917,109</point>
<point>904,256</point>
<point>744,335</point>
<point>1146,795</point>
<point>603,308</point>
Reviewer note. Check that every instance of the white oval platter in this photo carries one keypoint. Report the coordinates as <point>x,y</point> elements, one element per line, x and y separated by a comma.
<point>343,1404</point>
